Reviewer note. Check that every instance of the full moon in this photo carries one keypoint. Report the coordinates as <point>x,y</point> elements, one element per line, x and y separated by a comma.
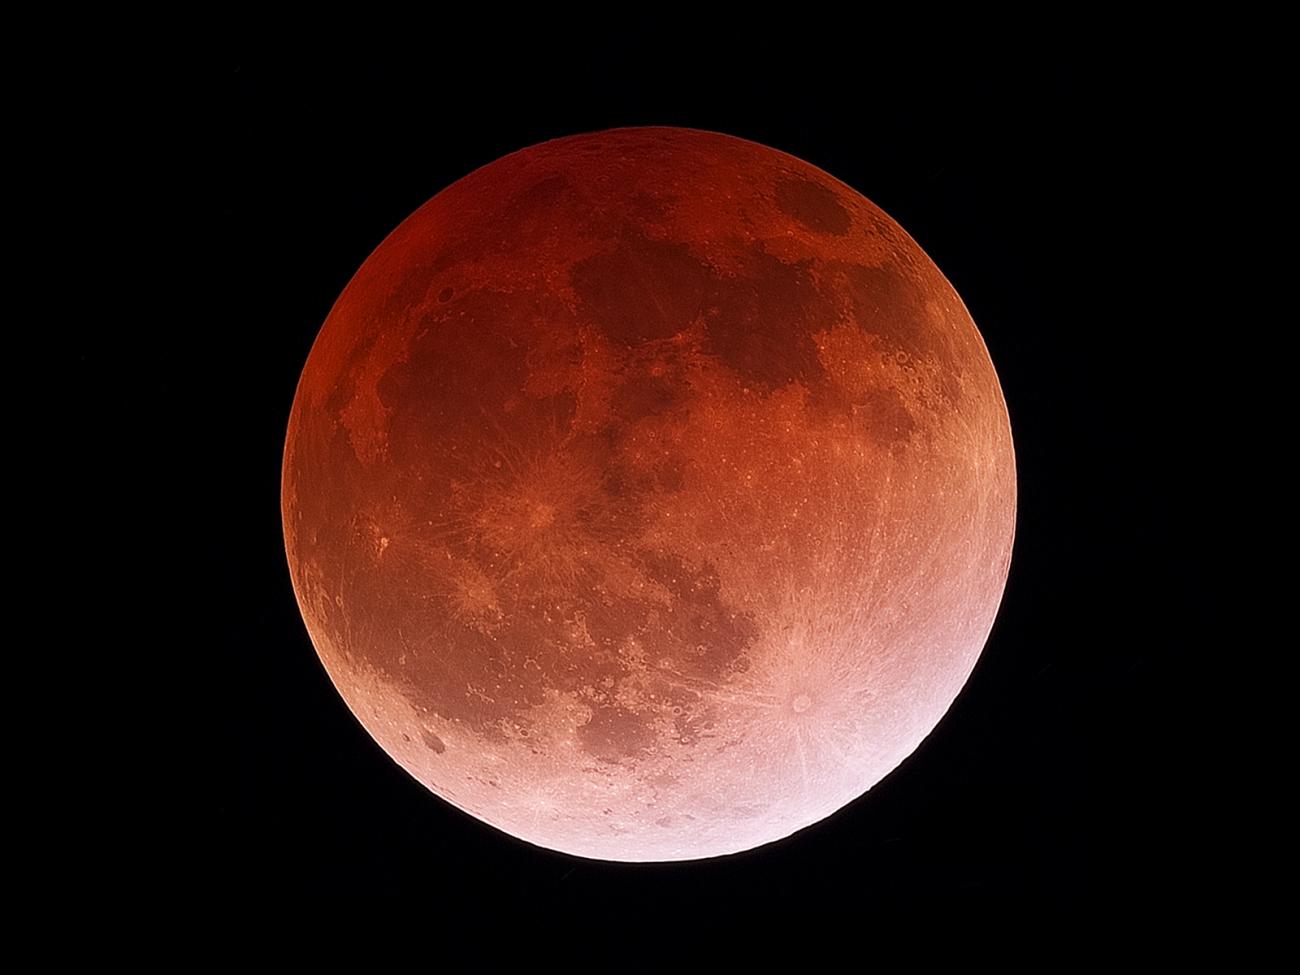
<point>649,494</point>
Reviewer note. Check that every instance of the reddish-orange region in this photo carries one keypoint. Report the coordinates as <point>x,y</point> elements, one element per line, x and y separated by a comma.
<point>649,494</point>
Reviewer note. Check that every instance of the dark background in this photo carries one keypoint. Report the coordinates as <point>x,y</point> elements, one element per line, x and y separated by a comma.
<point>1031,180</point>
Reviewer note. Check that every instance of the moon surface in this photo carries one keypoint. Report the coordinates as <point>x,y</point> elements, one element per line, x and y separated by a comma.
<point>649,494</point>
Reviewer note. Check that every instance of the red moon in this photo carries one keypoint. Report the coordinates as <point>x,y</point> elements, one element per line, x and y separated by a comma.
<point>649,494</point>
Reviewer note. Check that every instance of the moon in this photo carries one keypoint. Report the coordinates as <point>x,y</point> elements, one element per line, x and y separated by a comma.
<point>649,494</point>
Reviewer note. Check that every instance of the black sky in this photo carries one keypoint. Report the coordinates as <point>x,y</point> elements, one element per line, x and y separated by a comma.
<point>1025,178</point>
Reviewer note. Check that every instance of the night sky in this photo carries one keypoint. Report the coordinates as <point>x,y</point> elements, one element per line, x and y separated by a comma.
<point>1023,178</point>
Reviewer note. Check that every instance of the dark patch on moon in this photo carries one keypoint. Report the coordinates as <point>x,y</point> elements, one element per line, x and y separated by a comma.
<point>434,743</point>
<point>705,633</point>
<point>410,292</point>
<point>884,417</point>
<point>641,290</point>
<point>615,733</point>
<point>759,322</point>
<point>537,212</point>
<point>644,395</point>
<point>761,325</point>
<point>484,366</point>
<point>813,205</point>
<point>887,304</point>
<point>647,208</point>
